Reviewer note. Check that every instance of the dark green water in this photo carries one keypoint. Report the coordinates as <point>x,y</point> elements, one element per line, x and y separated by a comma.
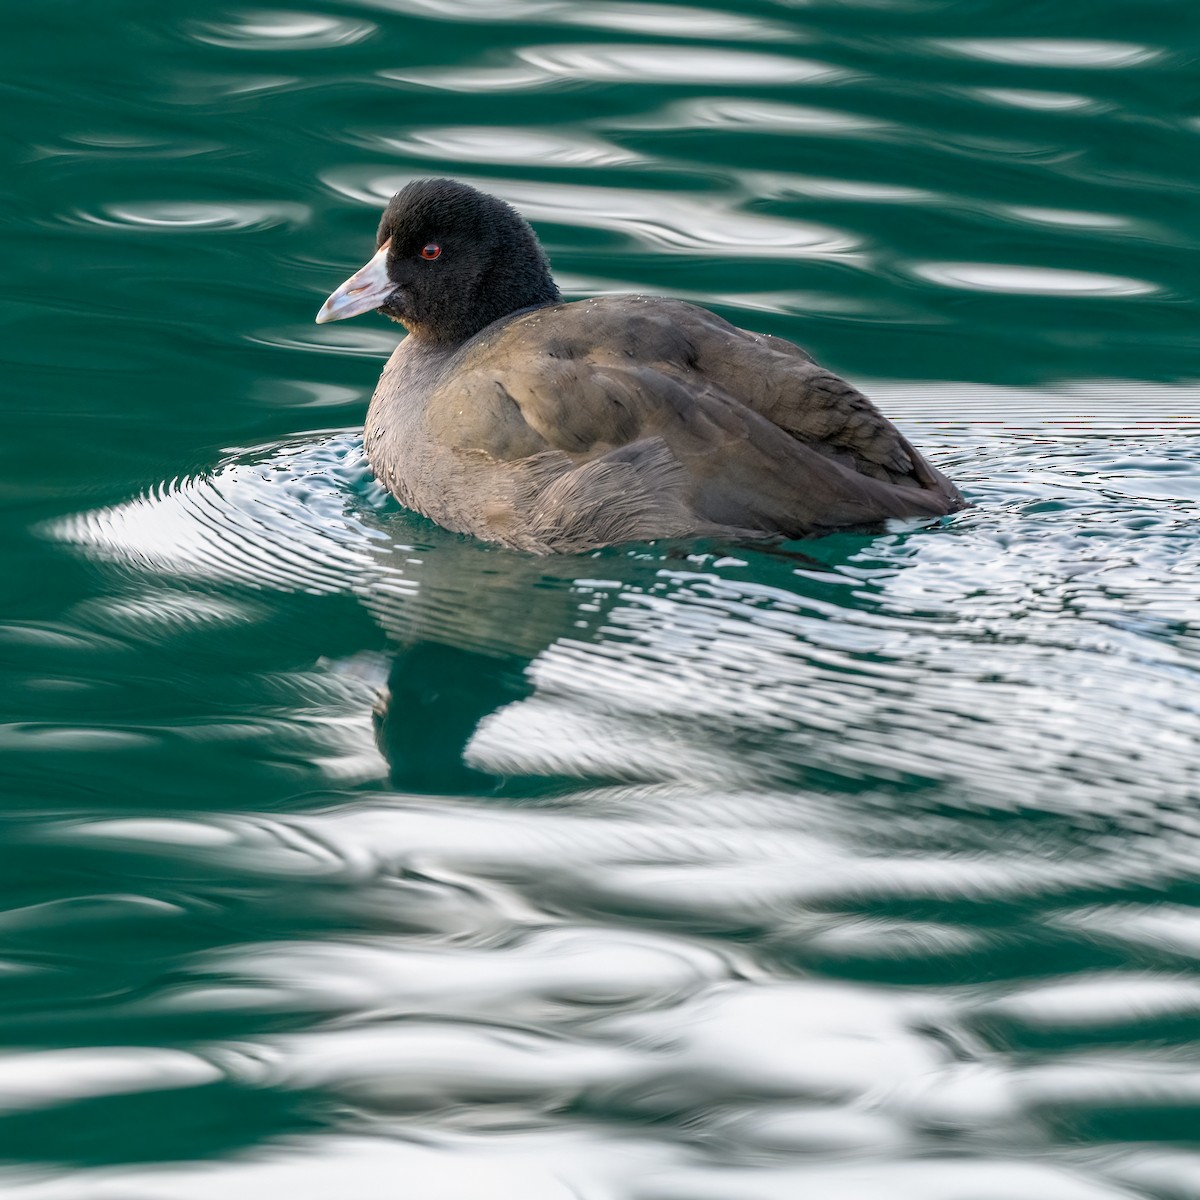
<point>345,858</point>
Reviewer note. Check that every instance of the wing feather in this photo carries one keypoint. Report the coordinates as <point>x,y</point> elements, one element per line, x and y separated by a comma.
<point>663,411</point>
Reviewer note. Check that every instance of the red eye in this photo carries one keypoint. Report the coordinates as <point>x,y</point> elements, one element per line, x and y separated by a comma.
<point>431,251</point>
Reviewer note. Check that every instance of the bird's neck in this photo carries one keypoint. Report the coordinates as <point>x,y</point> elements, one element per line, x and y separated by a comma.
<point>437,341</point>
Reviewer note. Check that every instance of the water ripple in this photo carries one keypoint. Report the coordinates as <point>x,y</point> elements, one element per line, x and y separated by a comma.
<point>356,340</point>
<point>759,115</point>
<point>199,217</point>
<point>344,854</point>
<point>663,20</point>
<point>553,975</point>
<point>1040,101</point>
<point>494,144</point>
<point>1073,220</point>
<point>777,185</point>
<point>125,146</point>
<point>274,30</point>
<point>665,220</point>
<point>519,1165</point>
<point>1034,281</point>
<point>539,66</point>
<point>638,19</point>
<point>47,1078</point>
<point>278,520</point>
<point>1049,52</point>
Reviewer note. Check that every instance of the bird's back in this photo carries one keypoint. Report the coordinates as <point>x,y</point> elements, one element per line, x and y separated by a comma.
<point>628,418</point>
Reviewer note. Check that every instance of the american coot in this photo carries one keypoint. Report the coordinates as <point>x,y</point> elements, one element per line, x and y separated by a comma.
<point>556,427</point>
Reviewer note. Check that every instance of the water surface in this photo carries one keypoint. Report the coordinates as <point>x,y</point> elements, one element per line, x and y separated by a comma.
<point>342,855</point>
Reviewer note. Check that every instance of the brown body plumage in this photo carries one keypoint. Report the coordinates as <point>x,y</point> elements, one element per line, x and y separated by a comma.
<point>563,427</point>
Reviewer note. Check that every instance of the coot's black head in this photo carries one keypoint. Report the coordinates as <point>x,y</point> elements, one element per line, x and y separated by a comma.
<point>451,260</point>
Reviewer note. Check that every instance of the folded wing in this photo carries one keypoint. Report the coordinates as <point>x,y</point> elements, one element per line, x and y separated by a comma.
<point>664,417</point>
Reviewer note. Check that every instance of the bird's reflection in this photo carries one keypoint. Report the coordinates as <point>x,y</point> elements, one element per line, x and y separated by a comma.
<point>430,707</point>
<point>467,621</point>
<point>464,622</point>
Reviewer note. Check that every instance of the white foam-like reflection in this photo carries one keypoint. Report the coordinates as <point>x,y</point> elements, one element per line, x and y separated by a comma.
<point>638,19</point>
<point>1073,220</point>
<point>47,1078</point>
<point>1170,932</point>
<point>933,1178</point>
<point>272,30</point>
<point>667,20</point>
<point>510,146</point>
<point>675,64</point>
<point>1051,52</point>
<point>220,527</point>
<point>535,66</point>
<point>471,10</point>
<point>541,1166</point>
<point>366,1168</point>
<point>673,221</point>
<point>1039,101</point>
<point>307,393</point>
<point>162,831</point>
<point>358,340</point>
<point>554,975</point>
<point>430,1066</point>
<point>201,217</point>
<point>1033,281</point>
<point>759,115</point>
<point>797,1073</point>
<point>1098,1003</point>
<point>780,185</point>
<point>812,1043</point>
<point>670,221</point>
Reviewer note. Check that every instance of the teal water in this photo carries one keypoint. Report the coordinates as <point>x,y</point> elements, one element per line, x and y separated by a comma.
<point>345,857</point>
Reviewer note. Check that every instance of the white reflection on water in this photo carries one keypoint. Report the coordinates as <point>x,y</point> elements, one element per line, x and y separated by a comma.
<point>1167,931</point>
<point>662,20</point>
<point>360,340</point>
<point>1039,101</point>
<point>777,185</point>
<point>1050,52</point>
<point>283,31</point>
<point>1033,281</point>
<point>46,1078</point>
<point>537,66</point>
<point>554,975</point>
<point>1099,1005</point>
<point>203,217</point>
<point>669,20</point>
<point>708,223</point>
<point>766,116</point>
<point>895,809</point>
<point>201,533</point>
<point>1074,220</point>
<point>496,144</point>
<point>514,1166</point>
<point>674,64</point>
<point>921,759</point>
